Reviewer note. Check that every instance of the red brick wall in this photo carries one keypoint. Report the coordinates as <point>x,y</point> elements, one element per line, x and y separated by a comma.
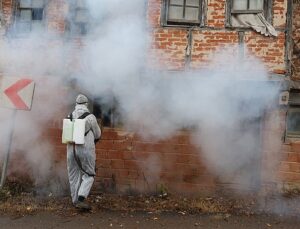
<point>168,47</point>
<point>272,148</point>
<point>206,42</point>
<point>270,50</point>
<point>216,14</point>
<point>7,8</point>
<point>279,13</point>
<point>141,165</point>
<point>296,41</point>
<point>289,164</point>
<point>56,13</point>
<point>127,163</point>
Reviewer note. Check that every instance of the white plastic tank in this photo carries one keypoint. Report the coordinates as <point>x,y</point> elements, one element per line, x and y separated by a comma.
<point>67,134</point>
<point>79,131</point>
<point>73,131</point>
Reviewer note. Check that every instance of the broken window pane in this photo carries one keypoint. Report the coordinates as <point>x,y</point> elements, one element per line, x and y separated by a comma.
<point>37,14</point>
<point>192,14</point>
<point>255,21</point>
<point>251,14</point>
<point>176,12</point>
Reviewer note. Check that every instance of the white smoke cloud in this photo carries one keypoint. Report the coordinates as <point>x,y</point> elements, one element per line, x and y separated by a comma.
<point>220,103</point>
<point>31,57</point>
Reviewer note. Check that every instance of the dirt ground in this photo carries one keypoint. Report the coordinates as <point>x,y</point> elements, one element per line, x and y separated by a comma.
<point>117,219</point>
<point>29,210</point>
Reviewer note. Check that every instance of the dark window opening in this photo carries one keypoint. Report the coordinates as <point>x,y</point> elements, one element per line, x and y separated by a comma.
<point>107,110</point>
<point>37,14</point>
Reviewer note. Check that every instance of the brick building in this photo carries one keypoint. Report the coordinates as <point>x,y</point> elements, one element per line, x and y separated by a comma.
<point>184,33</point>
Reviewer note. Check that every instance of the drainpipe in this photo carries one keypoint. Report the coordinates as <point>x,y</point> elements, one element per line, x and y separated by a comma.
<point>289,39</point>
<point>241,51</point>
<point>188,49</point>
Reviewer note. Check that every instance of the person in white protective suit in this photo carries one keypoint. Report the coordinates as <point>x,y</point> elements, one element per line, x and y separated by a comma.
<point>81,158</point>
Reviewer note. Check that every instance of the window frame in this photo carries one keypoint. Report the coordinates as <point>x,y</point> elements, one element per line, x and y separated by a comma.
<point>293,107</point>
<point>267,12</point>
<point>179,22</point>
<point>18,20</point>
<point>78,28</point>
<point>233,11</point>
<point>292,134</point>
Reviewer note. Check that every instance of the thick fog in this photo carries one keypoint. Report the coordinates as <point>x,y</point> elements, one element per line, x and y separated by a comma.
<point>221,105</point>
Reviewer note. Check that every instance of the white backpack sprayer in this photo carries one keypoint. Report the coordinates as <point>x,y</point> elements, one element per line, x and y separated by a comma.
<point>74,130</point>
<point>74,133</point>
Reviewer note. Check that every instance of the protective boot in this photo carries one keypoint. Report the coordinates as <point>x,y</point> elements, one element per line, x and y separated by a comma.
<point>83,206</point>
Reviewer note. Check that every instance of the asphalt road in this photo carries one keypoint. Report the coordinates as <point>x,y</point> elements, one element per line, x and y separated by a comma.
<point>144,220</point>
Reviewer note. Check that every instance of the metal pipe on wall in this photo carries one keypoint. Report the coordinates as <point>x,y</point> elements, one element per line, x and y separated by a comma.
<point>1,12</point>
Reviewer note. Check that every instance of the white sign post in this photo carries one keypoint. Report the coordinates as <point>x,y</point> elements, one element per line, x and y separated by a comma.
<point>17,94</point>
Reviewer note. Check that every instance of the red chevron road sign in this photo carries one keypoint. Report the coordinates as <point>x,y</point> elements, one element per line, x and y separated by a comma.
<point>17,93</point>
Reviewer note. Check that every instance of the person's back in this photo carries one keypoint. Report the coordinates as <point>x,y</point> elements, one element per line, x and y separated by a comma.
<point>81,158</point>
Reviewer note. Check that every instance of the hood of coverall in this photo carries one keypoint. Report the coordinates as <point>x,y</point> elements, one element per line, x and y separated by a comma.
<point>81,106</point>
<point>81,99</point>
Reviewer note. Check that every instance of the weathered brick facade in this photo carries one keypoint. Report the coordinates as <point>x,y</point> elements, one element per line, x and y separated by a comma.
<point>296,41</point>
<point>126,162</point>
<point>289,166</point>
<point>169,43</point>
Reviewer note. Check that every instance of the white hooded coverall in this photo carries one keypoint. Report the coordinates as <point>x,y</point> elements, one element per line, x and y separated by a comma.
<point>80,182</point>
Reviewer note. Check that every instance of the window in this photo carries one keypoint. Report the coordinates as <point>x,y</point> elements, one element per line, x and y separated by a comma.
<point>254,7</point>
<point>106,109</point>
<point>255,14</point>
<point>247,6</point>
<point>183,12</point>
<point>30,14</point>
<point>80,17</point>
<point>293,115</point>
